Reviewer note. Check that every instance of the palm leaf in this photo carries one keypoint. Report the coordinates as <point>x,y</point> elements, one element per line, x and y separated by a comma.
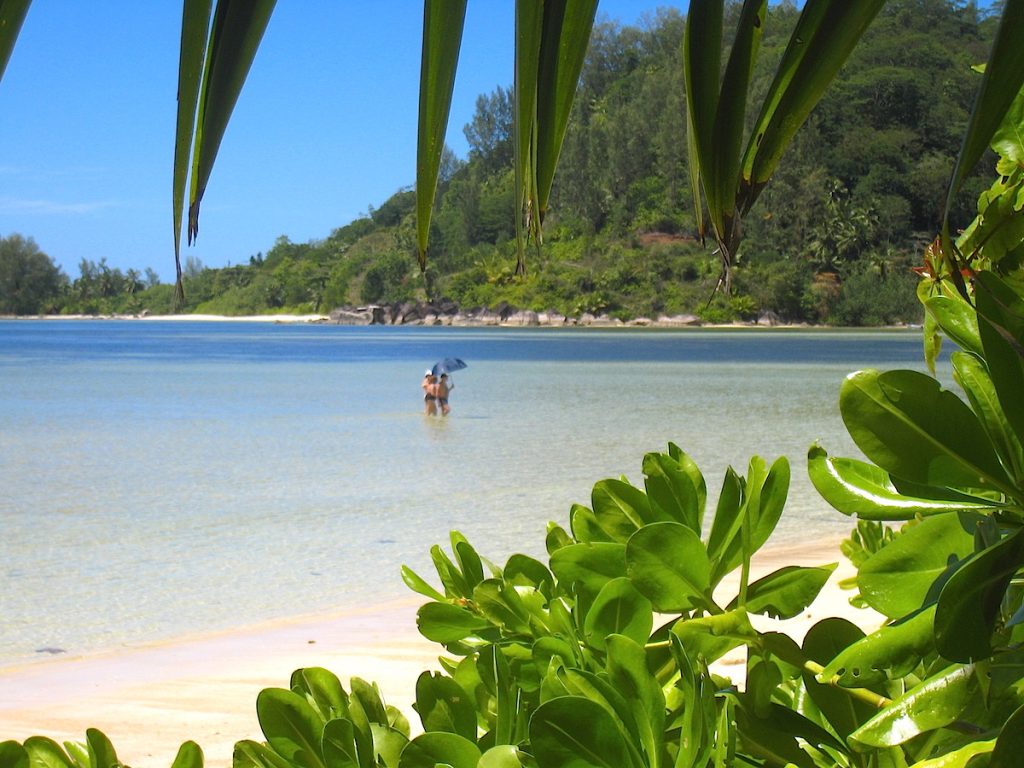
<point>443,21</point>
<point>195,23</point>
<point>12,14</point>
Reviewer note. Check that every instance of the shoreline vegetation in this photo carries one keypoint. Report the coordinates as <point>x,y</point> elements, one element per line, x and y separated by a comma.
<point>203,686</point>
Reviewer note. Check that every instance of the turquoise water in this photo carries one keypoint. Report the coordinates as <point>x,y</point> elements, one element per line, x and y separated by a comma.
<point>161,479</point>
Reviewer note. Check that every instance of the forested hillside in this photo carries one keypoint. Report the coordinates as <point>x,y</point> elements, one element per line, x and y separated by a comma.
<point>832,240</point>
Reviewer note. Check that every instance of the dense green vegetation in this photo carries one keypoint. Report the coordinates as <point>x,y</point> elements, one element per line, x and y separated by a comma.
<point>832,239</point>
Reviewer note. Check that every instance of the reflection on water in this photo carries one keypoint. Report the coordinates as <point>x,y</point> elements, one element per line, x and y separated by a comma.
<point>162,479</point>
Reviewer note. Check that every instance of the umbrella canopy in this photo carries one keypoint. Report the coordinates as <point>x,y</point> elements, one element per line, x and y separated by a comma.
<point>448,365</point>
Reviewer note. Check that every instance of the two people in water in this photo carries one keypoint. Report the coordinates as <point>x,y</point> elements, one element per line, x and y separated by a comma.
<point>435,393</point>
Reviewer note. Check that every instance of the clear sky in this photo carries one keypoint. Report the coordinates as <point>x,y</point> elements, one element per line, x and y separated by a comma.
<point>325,126</point>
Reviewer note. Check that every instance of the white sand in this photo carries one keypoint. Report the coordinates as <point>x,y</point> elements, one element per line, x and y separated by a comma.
<point>149,699</point>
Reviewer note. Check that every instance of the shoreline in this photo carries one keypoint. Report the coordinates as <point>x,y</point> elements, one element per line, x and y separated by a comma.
<point>151,697</point>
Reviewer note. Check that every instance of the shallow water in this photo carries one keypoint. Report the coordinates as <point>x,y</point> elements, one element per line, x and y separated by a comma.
<point>167,478</point>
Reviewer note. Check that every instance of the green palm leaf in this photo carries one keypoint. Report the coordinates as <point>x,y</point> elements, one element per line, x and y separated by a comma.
<point>443,21</point>
<point>235,35</point>
<point>12,14</point>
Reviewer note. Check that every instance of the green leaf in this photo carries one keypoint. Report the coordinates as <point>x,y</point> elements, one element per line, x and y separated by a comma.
<point>46,753</point>
<point>388,744</point>
<point>455,584</point>
<point>292,727</point>
<point>618,609</point>
<point>522,570</point>
<point>620,508</point>
<point>322,690</point>
<point>443,705</point>
<point>447,623</point>
<point>1001,325</point>
<point>431,749</point>
<point>912,428</point>
<point>417,584</point>
<point>711,637</point>
<point>628,672</point>
<point>956,319</point>
<point>934,703</point>
<point>969,602</point>
<point>726,525</point>
<point>1002,81</point>
<point>12,15</point>
<point>585,526</point>
<point>101,751</point>
<point>973,377</point>
<point>469,561</point>
<point>339,744</point>
<point>367,696</point>
<point>823,39</point>
<point>443,21</point>
<point>668,564</point>
<point>251,754</point>
<point>672,492</point>
<point>823,642</point>
<point>503,756</point>
<point>12,754</point>
<point>902,576</point>
<point>573,732</point>
<point>857,488</point>
<point>1010,743</point>
<point>589,566</point>
<point>502,605</point>
<point>776,735</point>
<point>892,650</point>
<point>190,755</point>
<point>235,35</point>
<point>785,593</point>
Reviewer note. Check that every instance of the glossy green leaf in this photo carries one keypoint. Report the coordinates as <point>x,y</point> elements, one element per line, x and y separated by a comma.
<point>12,16</point>
<point>857,488</point>
<point>1001,325</point>
<point>908,571</point>
<point>431,749</point>
<point>252,754</point>
<point>235,35</point>
<point>195,25</point>
<point>912,428</point>
<point>934,703</point>
<point>469,561</point>
<point>826,33</point>
<point>618,609</point>
<point>455,584</point>
<point>523,570</point>
<point>367,696</point>
<point>79,754</point>
<point>671,491</point>
<point>572,732</point>
<point>190,755</point>
<point>699,710</point>
<point>822,643</point>
<point>894,650</point>
<point>589,566</point>
<point>447,623</point>
<point>503,756</point>
<point>711,637</point>
<point>501,605</point>
<point>338,744</point>
<point>1010,743</point>
<point>443,705</point>
<point>101,751</point>
<point>969,602</point>
<point>628,672</point>
<point>668,564</point>
<point>973,377</point>
<point>418,584</point>
<point>585,526</point>
<point>388,744</point>
<point>322,690</point>
<point>620,508</point>
<point>1002,81</point>
<point>726,525</point>
<point>443,21</point>
<point>46,753</point>
<point>786,592</point>
<point>292,727</point>
<point>956,319</point>
<point>776,734</point>
<point>13,755</point>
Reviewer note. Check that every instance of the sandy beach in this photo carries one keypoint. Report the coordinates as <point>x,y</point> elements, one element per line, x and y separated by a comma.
<point>150,698</point>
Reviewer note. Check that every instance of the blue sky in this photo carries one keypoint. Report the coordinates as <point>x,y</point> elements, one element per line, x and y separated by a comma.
<point>324,128</point>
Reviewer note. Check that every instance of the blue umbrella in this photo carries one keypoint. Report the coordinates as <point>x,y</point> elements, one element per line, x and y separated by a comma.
<point>448,365</point>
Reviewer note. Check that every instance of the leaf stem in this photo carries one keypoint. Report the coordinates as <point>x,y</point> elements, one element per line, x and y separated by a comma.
<point>862,694</point>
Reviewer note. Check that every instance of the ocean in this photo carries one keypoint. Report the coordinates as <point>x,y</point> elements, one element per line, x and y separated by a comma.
<point>170,478</point>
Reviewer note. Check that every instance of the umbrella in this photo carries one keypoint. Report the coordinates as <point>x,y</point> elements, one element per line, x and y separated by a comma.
<point>448,365</point>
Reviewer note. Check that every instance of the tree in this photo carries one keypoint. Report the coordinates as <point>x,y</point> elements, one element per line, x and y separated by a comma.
<point>490,132</point>
<point>30,283</point>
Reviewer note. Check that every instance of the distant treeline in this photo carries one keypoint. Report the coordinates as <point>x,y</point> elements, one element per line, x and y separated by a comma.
<point>832,240</point>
